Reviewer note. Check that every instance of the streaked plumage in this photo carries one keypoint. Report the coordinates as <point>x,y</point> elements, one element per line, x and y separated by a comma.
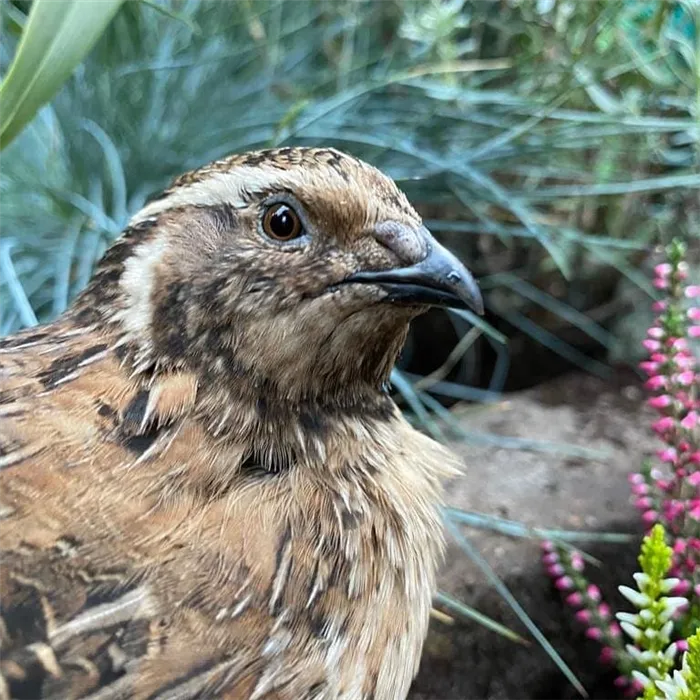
<point>205,490</point>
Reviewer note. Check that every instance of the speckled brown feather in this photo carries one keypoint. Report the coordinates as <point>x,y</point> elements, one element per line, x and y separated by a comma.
<point>204,490</point>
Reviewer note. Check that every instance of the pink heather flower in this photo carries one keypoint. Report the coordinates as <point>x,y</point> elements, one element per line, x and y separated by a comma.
<point>614,630</point>
<point>604,610</point>
<point>660,283</point>
<point>679,546</point>
<point>583,616</point>
<point>651,368</point>
<point>636,478</point>
<point>636,687</point>
<point>577,562</point>
<point>651,345</point>
<point>683,446</point>
<point>684,362</point>
<point>694,332</point>
<point>696,590</point>
<point>683,398</point>
<point>655,332</point>
<point>694,458</point>
<point>682,645</point>
<point>565,583</point>
<point>593,592</point>
<point>663,425</point>
<point>694,313</point>
<point>575,600</point>
<point>694,543</point>
<point>658,306</point>
<point>550,558</point>
<point>694,509</point>
<point>639,489</point>
<point>658,357</point>
<point>663,270</point>
<point>555,570</point>
<point>680,472</point>
<point>547,545</point>
<point>621,682</point>
<point>688,377</point>
<point>694,478</point>
<point>673,509</point>
<point>607,655</point>
<point>650,517</point>
<point>668,454</point>
<point>682,271</point>
<point>664,484</point>
<point>643,503</point>
<point>593,633</point>
<point>663,401</point>
<point>655,383</point>
<point>692,291</point>
<point>690,421</point>
<point>678,344</point>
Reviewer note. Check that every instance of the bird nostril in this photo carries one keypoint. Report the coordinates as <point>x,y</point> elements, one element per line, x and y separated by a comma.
<point>453,277</point>
<point>407,242</point>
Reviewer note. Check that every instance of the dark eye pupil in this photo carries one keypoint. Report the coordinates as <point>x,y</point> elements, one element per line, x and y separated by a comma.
<point>283,222</point>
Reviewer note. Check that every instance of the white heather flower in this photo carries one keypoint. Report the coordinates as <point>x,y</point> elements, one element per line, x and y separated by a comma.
<point>632,618</point>
<point>646,615</point>
<point>632,631</point>
<point>654,673</point>
<point>651,634</point>
<point>673,688</point>
<point>638,676</point>
<point>639,600</point>
<point>666,630</point>
<point>641,579</point>
<point>668,584</point>
<point>670,652</point>
<point>670,607</point>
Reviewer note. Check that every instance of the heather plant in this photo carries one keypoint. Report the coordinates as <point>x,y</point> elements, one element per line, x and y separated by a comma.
<point>645,645</point>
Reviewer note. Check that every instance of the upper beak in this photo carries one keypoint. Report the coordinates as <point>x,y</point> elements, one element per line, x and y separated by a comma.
<point>439,279</point>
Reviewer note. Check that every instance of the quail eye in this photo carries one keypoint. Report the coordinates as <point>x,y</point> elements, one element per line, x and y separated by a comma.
<point>282,223</point>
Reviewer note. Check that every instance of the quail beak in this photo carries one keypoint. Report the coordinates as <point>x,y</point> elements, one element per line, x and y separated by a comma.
<point>439,279</point>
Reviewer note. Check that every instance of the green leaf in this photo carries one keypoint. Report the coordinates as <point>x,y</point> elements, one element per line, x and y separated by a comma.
<point>692,676</point>
<point>57,36</point>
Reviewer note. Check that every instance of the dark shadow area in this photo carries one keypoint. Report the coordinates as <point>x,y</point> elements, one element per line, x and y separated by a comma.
<point>465,661</point>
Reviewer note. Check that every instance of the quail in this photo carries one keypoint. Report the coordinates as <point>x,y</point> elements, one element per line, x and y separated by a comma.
<point>206,490</point>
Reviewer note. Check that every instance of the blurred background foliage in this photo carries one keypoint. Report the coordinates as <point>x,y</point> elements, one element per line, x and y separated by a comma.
<point>551,142</point>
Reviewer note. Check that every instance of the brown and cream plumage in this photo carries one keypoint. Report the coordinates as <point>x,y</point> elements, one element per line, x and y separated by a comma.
<point>205,489</point>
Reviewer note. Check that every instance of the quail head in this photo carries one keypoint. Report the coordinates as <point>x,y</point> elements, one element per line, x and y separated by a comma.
<point>205,488</point>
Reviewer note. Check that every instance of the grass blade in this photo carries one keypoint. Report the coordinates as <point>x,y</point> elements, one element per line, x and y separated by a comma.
<point>512,528</point>
<point>58,35</point>
<point>447,601</point>
<point>19,296</point>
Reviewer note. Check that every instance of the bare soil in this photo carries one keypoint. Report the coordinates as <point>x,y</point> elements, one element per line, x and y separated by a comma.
<point>464,661</point>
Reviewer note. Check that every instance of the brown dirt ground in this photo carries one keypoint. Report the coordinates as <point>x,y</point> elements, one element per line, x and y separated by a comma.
<point>465,661</point>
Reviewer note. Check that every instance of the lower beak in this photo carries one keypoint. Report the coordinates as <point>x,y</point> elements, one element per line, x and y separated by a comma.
<point>439,279</point>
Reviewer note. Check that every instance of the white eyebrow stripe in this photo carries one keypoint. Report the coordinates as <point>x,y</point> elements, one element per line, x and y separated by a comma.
<point>219,188</point>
